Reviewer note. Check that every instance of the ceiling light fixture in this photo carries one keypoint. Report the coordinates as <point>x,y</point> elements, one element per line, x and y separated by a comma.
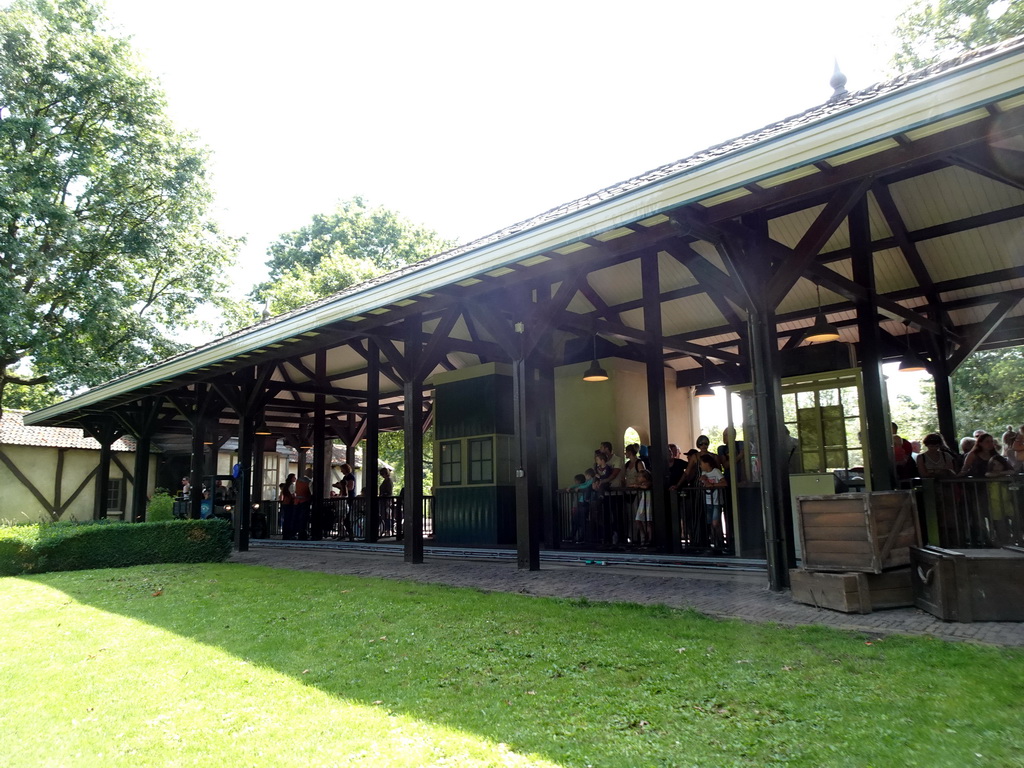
<point>704,390</point>
<point>822,330</point>
<point>910,363</point>
<point>595,372</point>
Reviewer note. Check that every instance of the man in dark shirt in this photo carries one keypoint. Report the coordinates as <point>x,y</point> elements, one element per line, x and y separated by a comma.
<point>676,467</point>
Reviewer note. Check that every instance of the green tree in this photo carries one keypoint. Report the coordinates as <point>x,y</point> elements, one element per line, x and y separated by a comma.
<point>350,245</point>
<point>931,30</point>
<point>988,391</point>
<point>106,247</point>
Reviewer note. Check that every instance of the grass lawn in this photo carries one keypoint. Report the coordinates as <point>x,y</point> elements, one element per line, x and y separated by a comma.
<point>231,665</point>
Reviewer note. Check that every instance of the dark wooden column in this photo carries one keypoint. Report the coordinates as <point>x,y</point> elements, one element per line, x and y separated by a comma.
<point>527,515</point>
<point>776,504</point>
<point>412,512</point>
<point>322,450</point>
<point>196,467</point>
<point>665,533</point>
<point>245,393</point>
<point>944,402</point>
<point>748,253</point>
<point>879,458</point>
<point>371,451</point>
<point>140,420</point>
<point>246,445</point>
<point>143,446</point>
<point>543,466</point>
<point>105,431</point>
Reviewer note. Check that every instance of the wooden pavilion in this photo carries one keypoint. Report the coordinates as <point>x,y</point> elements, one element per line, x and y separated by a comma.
<point>895,214</point>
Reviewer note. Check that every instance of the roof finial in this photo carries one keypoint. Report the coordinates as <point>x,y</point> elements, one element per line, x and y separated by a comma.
<point>838,83</point>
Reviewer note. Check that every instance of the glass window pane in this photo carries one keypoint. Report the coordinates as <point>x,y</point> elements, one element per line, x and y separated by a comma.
<point>789,408</point>
<point>835,459</point>
<point>828,397</point>
<point>851,404</point>
<point>805,400</point>
<point>811,461</point>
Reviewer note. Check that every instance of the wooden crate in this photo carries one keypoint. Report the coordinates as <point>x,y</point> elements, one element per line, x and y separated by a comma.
<point>969,584</point>
<point>852,591</point>
<point>869,532</point>
<point>846,592</point>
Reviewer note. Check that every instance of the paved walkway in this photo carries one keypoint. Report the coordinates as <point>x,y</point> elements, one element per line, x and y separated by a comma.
<point>714,593</point>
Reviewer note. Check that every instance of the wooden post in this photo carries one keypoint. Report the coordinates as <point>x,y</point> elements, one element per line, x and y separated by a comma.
<point>412,513</point>
<point>371,451</point>
<point>879,458</point>
<point>775,498</point>
<point>527,516</point>
<point>321,454</point>
<point>246,440</point>
<point>665,532</point>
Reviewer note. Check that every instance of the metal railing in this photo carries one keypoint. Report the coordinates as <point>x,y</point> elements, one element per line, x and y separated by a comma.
<point>609,519</point>
<point>338,518</point>
<point>973,513</point>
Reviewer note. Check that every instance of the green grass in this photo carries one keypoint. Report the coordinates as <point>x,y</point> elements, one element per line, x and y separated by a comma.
<point>239,665</point>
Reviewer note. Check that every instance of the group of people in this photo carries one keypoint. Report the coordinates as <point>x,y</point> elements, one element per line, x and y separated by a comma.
<point>630,480</point>
<point>981,455</point>
<point>295,499</point>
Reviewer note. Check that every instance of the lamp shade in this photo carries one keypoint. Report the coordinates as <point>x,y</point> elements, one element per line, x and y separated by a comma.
<point>703,390</point>
<point>822,330</point>
<point>595,372</point>
<point>262,429</point>
<point>910,364</point>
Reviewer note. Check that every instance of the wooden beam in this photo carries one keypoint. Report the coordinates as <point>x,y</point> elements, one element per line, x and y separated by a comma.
<point>814,239</point>
<point>984,329</point>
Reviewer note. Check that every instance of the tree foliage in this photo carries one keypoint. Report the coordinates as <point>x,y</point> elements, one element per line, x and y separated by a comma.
<point>353,243</point>
<point>989,391</point>
<point>106,246</point>
<point>931,30</point>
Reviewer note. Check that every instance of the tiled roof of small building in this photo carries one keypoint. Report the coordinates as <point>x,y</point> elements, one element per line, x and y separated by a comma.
<point>14,432</point>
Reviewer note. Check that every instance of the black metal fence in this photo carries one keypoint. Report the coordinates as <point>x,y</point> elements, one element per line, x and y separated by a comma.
<point>337,518</point>
<point>608,520</point>
<point>975,512</point>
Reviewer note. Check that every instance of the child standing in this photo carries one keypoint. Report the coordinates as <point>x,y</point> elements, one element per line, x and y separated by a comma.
<point>713,480</point>
<point>642,521</point>
<point>581,506</point>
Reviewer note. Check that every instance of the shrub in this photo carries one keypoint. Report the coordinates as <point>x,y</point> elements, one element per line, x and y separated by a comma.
<point>160,507</point>
<point>16,548</point>
<point>70,546</point>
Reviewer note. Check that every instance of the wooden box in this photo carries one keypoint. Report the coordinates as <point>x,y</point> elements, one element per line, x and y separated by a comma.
<point>853,591</point>
<point>969,584</point>
<point>869,532</point>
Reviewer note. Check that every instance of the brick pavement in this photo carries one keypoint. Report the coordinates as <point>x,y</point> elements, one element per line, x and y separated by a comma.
<point>715,592</point>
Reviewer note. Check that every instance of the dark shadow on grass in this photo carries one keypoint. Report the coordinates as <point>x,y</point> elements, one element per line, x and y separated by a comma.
<point>540,675</point>
<point>496,664</point>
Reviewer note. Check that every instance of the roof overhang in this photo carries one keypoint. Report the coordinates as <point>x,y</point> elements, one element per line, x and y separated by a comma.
<point>940,99</point>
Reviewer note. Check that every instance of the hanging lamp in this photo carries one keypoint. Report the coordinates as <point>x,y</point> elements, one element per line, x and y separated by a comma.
<point>262,429</point>
<point>910,363</point>
<point>704,390</point>
<point>595,372</point>
<point>822,330</point>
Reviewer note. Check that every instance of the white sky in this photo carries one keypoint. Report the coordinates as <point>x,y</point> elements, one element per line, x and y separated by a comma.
<point>469,116</point>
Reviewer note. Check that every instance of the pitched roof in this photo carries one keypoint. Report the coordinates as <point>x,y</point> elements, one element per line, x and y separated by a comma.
<point>14,432</point>
<point>774,158</point>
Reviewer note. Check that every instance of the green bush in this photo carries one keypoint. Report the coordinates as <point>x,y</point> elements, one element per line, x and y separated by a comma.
<point>16,548</point>
<point>160,507</point>
<point>77,546</point>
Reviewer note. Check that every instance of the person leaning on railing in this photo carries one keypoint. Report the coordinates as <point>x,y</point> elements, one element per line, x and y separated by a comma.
<point>937,461</point>
<point>984,461</point>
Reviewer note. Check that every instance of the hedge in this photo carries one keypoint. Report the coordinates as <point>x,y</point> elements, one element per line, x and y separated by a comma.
<point>78,546</point>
